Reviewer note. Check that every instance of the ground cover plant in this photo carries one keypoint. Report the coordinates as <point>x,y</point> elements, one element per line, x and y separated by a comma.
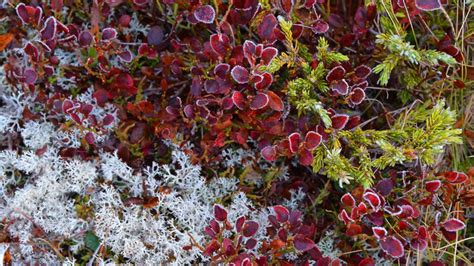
<point>237,132</point>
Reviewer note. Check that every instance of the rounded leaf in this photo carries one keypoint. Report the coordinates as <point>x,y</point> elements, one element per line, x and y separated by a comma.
<point>340,87</point>
<point>239,223</point>
<point>240,74</point>
<point>392,246</point>
<point>109,34</point>
<point>275,101</point>
<point>373,199</point>
<point>108,120</point>
<point>268,54</point>
<point>282,213</point>
<point>85,38</point>
<point>362,71</point>
<point>294,141</point>
<point>428,5</point>
<point>432,186</point>
<point>30,76</point>
<point>339,121</point>
<point>221,70</point>
<point>260,101</point>
<point>336,73</point>
<point>312,140</point>
<point>320,27</point>
<point>205,14</point>
<point>302,243</point>
<point>379,232</point>
<point>357,96</point>
<point>49,30</point>
<point>348,200</point>
<point>250,228</point>
<point>453,225</point>
<point>238,100</point>
<point>220,213</point>
<point>305,157</point>
<point>155,35</point>
<point>269,153</point>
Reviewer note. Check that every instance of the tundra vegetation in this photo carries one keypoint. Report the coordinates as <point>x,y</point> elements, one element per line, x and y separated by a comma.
<point>237,132</point>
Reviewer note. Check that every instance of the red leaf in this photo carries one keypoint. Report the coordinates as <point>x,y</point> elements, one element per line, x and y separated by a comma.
<point>282,213</point>
<point>205,14</point>
<point>220,213</point>
<point>85,38</point>
<point>455,177</point>
<point>428,5</point>
<point>259,101</point>
<point>266,27</point>
<point>275,101</point>
<point>250,228</point>
<point>211,86</point>
<point>101,96</point>
<point>379,232</point>
<point>340,86</point>
<point>303,243</point>
<point>392,246</point>
<point>108,119</point>
<point>240,74</point>
<point>336,73</point>
<point>124,80</point>
<point>30,76</point>
<point>373,199</point>
<point>219,43</point>
<point>250,244</point>
<point>249,49</point>
<point>294,141</point>
<point>126,56</point>
<point>28,13</point>
<point>90,138</point>
<point>221,70</point>
<point>339,121</point>
<point>22,13</point>
<point>312,140</point>
<point>423,232</point>
<point>239,223</point>
<point>238,100</point>
<point>109,34</point>
<point>362,208</point>
<point>31,50</point>
<point>309,3</point>
<point>357,96</point>
<point>269,153</point>
<point>453,225</point>
<point>268,54</point>
<point>305,157</point>
<point>140,2</point>
<point>419,244</point>
<point>294,218</point>
<point>265,81</point>
<point>155,35</point>
<point>353,229</point>
<point>348,200</point>
<point>283,234</point>
<point>320,27</point>
<point>432,186</point>
<point>68,106</point>
<point>353,122</point>
<point>211,248</point>
<point>362,71</point>
<point>49,30</point>
<point>287,5</point>
<point>343,216</point>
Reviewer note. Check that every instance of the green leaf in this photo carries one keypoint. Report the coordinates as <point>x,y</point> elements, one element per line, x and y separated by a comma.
<point>91,240</point>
